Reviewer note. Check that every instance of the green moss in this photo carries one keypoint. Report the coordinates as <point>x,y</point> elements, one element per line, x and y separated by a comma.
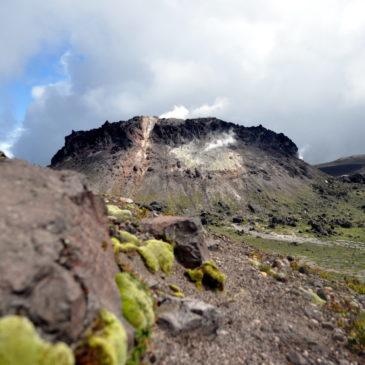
<point>355,285</point>
<point>157,255</point>
<point>108,343</point>
<point>140,347</point>
<point>357,333</point>
<point>20,344</point>
<point>119,214</point>
<point>137,301</point>
<point>207,274</point>
<point>125,236</point>
<point>266,268</point>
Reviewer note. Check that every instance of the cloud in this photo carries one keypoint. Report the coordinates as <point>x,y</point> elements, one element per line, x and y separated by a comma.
<point>7,144</point>
<point>205,110</point>
<point>178,111</point>
<point>295,67</point>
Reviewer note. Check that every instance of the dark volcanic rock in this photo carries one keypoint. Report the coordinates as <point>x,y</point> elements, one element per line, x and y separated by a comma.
<point>186,233</point>
<point>354,179</point>
<point>56,264</point>
<point>184,163</point>
<point>285,221</point>
<point>177,132</point>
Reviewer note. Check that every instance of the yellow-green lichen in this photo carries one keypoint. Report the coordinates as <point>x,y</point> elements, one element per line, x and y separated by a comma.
<point>157,255</point>
<point>137,301</point>
<point>125,236</point>
<point>176,291</point>
<point>208,275</point>
<point>108,343</point>
<point>117,213</point>
<point>20,344</point>
<point>315,299</point>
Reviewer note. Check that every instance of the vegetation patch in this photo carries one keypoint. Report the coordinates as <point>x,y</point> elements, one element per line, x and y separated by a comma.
<point>117,213</point>
<point>357,333</point>
<point>176,291</point>
<point>107,344</point>
<point>20,344</point>
<point>137,301</point>
<point>341,259</point>
<point>208,275</point>
<point>157,254</point>
<point>125,236</point>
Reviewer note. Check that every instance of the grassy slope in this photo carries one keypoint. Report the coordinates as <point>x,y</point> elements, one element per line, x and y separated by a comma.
<point>340,259</point>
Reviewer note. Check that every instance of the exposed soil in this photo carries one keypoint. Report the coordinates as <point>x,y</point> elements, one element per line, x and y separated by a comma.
<point>264,321</point>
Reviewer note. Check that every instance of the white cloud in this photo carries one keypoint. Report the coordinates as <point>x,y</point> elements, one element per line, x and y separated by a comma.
<point>38,91</point>
<point>178,111</point>
<point>7,144</point>
<point>205,110</point>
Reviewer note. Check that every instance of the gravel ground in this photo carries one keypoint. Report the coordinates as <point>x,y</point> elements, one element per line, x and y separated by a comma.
<point>263,320</point>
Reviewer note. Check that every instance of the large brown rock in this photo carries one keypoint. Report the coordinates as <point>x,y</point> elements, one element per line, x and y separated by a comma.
<point>56,263</point>
<point>185,232</point>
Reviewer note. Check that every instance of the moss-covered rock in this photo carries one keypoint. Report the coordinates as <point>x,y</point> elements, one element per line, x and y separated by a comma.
<point>125,236</point>
<point>117,213</point>
<point>20,344</point>
<point>137,301</point>
<point>107,344</point>
<point>208,275</point>
<point>157,255</point>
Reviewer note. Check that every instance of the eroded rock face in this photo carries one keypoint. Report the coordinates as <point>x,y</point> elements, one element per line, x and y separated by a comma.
<point>185,232</point>
<point>182,164</point>
<point>56,264</point>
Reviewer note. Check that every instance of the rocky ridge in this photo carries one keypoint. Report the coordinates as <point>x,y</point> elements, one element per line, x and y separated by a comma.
<point>188,165</point>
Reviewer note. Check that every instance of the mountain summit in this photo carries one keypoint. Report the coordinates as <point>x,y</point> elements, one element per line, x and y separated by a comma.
<point>186,163</point>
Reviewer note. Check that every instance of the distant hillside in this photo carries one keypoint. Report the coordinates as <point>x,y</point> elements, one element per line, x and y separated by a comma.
<point>344,166</point>
<point>196,163</point>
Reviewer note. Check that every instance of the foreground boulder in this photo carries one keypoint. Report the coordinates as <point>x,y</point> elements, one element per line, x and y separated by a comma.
<point>185,233</point>
<point>185,315</point>
<point>56,265</point>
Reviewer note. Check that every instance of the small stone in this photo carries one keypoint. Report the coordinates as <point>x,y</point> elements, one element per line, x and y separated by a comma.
<point>296,359</point>
<point>322,294</point>
<point>281,277</point>
<point>344,362</point>
<point>328,326</point>
<point>338,335</point>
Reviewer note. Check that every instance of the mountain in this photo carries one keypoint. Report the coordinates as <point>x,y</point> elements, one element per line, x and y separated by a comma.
<point>344,166</point>
<point>194,163</point>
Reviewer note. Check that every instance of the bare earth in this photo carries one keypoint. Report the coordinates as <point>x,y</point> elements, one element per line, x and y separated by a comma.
<point>263,321</point>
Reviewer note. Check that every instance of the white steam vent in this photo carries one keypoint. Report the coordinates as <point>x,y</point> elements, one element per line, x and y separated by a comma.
<point>226,139</point>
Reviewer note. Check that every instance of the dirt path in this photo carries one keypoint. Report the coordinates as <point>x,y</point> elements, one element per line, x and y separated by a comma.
<point>299,239</point>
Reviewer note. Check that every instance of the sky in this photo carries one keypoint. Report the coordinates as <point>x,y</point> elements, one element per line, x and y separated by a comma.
<point>294,66</point>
